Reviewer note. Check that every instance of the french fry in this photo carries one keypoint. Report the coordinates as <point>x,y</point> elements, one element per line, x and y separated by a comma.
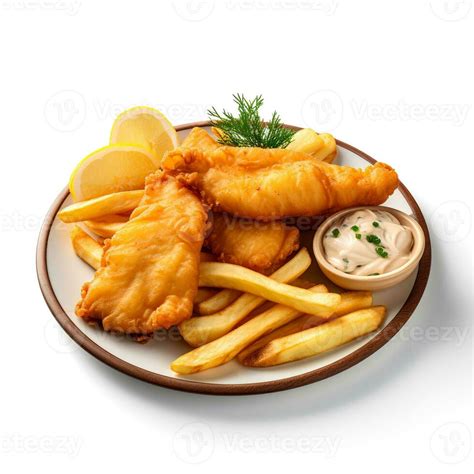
<point>321,146</point>
<point>225,348</point>
<point>306,140</point>
<point>329,151</point>
<point>350,301</point>
<point>299,282</point>
<point>302,323</point>
<point>222,299</point>
<point>86,247</point>
<point>106,226</point>
<point>116,203</point>
<point>353,301</point>
<point>219,301</point>
<point>200,330</point>
<point>319,339</point>
<point>204,294</point>
<point>235,277</point>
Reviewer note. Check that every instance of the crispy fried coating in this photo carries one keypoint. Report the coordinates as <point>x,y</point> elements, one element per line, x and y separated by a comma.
<point>149,273</point>
<point>268,184</point>
<point>257,245</point>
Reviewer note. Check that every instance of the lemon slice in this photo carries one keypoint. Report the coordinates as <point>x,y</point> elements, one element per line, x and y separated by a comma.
<point>145,127</point>
<point>111,169</point>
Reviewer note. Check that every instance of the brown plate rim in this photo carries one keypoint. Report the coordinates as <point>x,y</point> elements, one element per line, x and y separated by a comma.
<point>233,389</point>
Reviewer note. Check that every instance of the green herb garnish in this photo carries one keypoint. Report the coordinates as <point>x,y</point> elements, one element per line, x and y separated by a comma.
<point>381,252</point>
<point>335,233</point>
<point>373,274</point>
<point>345,260</point>
<point>248,129</point>
<point>373,239</point>
<point>375,224</point>
<point>358,236</point>
<point>355,228</point>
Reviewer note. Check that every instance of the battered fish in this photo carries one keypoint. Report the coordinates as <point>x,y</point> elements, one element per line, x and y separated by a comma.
<point>268,184</point>
<point>257,245</point>
<point>149,273</point>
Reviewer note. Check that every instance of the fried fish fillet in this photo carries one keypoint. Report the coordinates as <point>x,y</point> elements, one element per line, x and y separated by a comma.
<point>268,184</point>
<point>149,273</point>
<point>261,246</point>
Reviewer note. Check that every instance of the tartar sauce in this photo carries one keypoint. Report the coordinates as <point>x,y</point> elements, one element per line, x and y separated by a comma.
<point>368,243</point>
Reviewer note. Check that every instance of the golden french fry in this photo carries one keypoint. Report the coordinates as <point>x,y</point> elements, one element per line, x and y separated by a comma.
<point>329,150</point>
<point>86,247</point>
<point>306,140</point>
<point>225,348</point>
<point>204,294</point>
<point>116,203</point>
<point>350,301</point>
<point>106,226</point>
<point>235,277</point>
<point>219,301</point>
<point>224,298</point>
<point>200,330</point>
<point>319,339</point>
<point>353,301</point>
<point>300,283</point>
<point>302,323</point>
<point>321,146</point>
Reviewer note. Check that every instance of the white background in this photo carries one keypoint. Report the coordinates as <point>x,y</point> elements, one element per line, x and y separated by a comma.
<point>392,78</point>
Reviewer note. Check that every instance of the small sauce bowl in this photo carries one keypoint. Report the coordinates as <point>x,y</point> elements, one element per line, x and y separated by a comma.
<point>375,282</point>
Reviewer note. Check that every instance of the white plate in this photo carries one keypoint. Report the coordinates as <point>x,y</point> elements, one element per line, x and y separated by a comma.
<point>62,274</point>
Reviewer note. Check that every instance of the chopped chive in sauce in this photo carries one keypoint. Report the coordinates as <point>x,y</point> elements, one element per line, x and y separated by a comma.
<point>374,274</point>
<point>355,228</point>
<point>335,233</point>
<point>358,236</point>
<point>373,239</point>
<point>345,260</point>
<point>375,224</point>
<point>381,252</point>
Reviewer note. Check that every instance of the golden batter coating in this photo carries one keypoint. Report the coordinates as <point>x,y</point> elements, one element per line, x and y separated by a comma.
<point>261,246</point>
<point>267,184</point>
<point>149,273</point>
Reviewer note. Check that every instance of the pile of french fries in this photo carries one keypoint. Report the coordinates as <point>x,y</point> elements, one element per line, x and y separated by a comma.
<point>260,320</point>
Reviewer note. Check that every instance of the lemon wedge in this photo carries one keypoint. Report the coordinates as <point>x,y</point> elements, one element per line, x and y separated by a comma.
<point>145,127</point>
<point>111,169</point>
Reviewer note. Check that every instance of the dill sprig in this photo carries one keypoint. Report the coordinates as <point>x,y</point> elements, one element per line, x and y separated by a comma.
<point>248,129</point>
